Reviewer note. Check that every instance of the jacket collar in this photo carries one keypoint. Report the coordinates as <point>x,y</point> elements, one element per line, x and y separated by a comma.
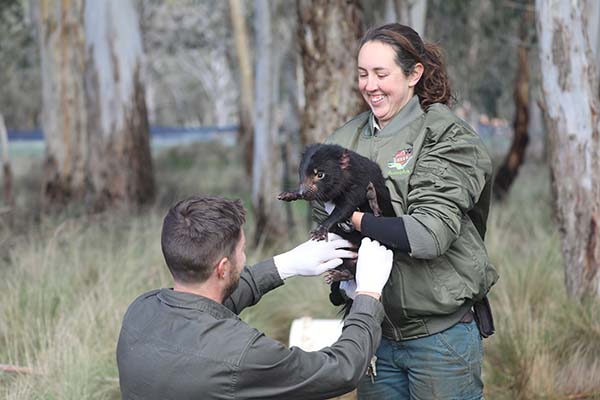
<point>411,111</point>
<point>194,302</point>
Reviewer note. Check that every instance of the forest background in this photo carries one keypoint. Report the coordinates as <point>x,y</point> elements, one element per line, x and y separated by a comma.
<point>220,97</point>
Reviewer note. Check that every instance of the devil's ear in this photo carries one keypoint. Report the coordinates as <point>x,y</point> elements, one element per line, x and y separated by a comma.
<point>345,160</point>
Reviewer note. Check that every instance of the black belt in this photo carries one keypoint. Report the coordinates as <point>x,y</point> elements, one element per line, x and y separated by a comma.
<point>467,318</point>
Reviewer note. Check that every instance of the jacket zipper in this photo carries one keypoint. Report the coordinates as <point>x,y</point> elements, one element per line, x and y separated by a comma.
<point>396,336</point>
<point>372,156</point>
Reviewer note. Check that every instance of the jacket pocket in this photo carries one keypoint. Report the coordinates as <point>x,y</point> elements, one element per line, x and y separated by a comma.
<point>449,289</point>
<point>431,287</point>
<point>477,271</point>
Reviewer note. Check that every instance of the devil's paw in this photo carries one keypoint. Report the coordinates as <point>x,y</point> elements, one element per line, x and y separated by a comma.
<point>319,234</point>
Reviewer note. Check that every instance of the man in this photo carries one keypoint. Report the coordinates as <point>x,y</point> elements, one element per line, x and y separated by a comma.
<point>188,342</point>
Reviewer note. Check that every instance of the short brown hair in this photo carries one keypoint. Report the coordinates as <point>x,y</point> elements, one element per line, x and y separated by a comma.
<point>199,231</point>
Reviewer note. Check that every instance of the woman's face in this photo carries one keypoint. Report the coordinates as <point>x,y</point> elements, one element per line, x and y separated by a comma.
<point>382,83</point>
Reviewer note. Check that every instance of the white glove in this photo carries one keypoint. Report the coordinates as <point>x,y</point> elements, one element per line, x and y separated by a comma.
<point>349,287</point>
<point>313,257</point>
<point>373,267</point>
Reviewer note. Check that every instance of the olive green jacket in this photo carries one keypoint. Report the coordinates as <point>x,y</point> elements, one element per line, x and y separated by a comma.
<point>439,174</point>
<point>176,345</point>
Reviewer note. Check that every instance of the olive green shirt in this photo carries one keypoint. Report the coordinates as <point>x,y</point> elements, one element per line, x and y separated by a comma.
<point>176,345</point>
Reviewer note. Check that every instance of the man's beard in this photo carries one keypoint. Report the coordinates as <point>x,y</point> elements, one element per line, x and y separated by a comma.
<point>233,283</point>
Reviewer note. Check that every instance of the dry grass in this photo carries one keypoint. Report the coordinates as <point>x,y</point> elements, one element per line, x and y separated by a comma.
<point>68,278</point>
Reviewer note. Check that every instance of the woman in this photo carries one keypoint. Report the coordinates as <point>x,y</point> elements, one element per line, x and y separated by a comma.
<point>439,175</point>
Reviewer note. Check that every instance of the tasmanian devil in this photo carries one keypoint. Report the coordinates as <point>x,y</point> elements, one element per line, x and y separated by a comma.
<point>333,174</point>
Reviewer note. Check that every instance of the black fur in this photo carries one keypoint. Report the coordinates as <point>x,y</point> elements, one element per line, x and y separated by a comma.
<point>350,181</point>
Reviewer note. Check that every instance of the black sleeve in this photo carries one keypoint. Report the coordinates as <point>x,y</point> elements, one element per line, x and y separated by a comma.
<point>389,231</point>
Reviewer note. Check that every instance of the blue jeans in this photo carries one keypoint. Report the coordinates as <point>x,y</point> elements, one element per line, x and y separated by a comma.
<point>445,366</point>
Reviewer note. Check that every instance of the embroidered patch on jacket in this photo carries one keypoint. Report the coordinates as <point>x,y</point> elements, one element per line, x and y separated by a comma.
<point>400,161</point>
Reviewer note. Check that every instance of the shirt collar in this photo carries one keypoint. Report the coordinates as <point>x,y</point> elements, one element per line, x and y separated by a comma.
<point>411,111</point>
<point>375,124</point>
<point>194,302</point>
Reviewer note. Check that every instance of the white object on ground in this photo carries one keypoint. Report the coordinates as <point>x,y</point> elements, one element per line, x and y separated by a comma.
<point>314,334</point>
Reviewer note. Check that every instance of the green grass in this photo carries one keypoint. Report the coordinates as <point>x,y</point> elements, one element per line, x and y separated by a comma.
<point>68,278</point>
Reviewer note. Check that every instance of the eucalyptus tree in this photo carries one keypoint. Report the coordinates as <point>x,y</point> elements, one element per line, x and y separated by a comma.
<point>266,170</point>
<point>328,33</point>
<point>94,109</point>
<point>571,100</point>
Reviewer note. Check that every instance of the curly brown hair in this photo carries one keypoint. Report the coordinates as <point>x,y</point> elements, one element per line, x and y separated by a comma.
<point>434,85</point>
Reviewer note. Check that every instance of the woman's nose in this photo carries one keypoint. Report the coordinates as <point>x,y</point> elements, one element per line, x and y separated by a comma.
<point>371,84</point>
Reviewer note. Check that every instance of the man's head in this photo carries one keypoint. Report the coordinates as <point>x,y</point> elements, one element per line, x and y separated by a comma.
<point>201,232</point>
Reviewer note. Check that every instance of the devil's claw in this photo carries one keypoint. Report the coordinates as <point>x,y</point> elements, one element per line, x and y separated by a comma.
<point>336,275</point>
<point>319,234</point>
<point>288,196</point>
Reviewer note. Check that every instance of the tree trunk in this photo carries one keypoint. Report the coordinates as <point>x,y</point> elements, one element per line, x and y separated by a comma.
<point>516,154</point>
<point>592,13</point>
<point>328,33</point>
<point>570,88</point>
<point>246,134</point>
<point>62,50</point>
<point>120,161</point>
<point>412,13</point>
<point>6,170</point>
<point>266,175</point>
<point>592,17</point>
<point>95,121</point>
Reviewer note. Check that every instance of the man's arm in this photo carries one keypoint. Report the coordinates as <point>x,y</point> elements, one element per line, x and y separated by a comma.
<point>269,370</point>
<point>255,281</point>
<point>308,259</point>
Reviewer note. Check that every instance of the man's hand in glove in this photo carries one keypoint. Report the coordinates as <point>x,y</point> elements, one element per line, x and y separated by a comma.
<point>314,257</point>
<point>373,267</point>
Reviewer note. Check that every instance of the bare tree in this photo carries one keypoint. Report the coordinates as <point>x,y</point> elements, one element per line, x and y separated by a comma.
<point>509,169</point>
<point>593,24</point>
<point>120,160</point>
<point>64,118</point>
<point>570,89</point>
<point>412,13</point>
<point>95,118</point>
<point>266,171</point>
<point>238,21</point>
<point>7,172</point>
<point>328,33</point>
<point>188,52</point>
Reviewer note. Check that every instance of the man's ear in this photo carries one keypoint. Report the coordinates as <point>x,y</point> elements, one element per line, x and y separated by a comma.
<point>222,267</point>
<point>415,75</point>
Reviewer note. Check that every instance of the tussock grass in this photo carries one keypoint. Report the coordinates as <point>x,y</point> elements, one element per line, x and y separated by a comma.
<point>546,345</point>
<point>68,278</point>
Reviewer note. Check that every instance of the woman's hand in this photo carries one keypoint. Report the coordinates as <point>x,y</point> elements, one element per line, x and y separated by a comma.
<point>357,219</point>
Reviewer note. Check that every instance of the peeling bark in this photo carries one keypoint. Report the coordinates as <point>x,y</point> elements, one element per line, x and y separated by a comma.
<point>95,119</point>
<point>328,33</point>
<point>62,49</point>
<point>570,88</point>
